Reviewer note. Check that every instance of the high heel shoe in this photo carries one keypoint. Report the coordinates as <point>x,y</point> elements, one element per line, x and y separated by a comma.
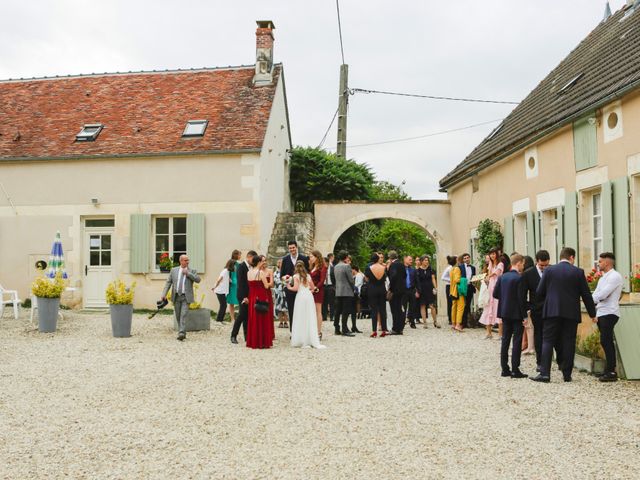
<point>374,335</point>
<point>320,336</point>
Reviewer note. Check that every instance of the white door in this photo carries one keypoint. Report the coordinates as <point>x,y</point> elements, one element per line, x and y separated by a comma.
<point>98,270</point>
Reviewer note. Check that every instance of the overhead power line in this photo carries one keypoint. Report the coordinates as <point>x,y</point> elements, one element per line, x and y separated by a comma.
<point>340,31</point>
<point>328,128</point>
<point>430,97</point>
<point>435,134</point>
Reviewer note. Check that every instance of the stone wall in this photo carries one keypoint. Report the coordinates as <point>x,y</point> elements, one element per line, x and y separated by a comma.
<point>298,226</point>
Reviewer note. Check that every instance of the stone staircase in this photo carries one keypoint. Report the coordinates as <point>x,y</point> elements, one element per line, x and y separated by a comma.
<point>298,226</point>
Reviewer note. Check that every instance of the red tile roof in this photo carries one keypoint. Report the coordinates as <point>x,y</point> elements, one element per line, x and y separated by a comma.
<point>143,113</point>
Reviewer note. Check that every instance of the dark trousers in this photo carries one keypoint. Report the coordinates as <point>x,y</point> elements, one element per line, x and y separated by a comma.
<point>410,306</point>
<point>537,336</point>
<point>396,312</point>
<point>378,305</point>
<point>605,325</point>
<point>561,331</point>
<point>222,299</point>
<point>345,306</point>
<point>512,327</point>
<point>467,310</point>
<point>241,319</point>
<point>329,303</point>
<point>291,301</point>
<point>449,302</point>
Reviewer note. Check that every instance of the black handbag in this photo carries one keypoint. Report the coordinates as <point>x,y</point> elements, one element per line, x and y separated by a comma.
<point>261,306</point>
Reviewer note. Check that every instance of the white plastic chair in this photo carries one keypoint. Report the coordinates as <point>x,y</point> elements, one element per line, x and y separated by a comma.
<point>12,300</point>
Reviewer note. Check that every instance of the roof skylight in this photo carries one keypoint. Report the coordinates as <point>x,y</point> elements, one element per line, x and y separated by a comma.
<point>195,128</point>
<point>89,132</point>
<point>570,83</point>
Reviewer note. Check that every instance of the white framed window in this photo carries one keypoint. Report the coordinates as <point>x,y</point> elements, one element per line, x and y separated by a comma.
<point>549,233</point>
<point>169,236</point>
<point>520,233</point>
<point>596,226</point>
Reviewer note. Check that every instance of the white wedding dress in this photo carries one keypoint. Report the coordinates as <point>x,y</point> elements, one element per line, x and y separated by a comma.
<point>304,330</point>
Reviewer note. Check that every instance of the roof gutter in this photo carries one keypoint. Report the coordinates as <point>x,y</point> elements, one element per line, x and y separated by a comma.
<point>132,155</point>
<point>617,95</point>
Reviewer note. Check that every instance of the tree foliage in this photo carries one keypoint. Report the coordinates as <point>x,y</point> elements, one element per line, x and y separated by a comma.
<point>489,236</point>
<point>383,190</point>
<point>319,175</point>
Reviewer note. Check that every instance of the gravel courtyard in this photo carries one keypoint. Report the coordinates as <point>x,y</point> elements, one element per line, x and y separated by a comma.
<point>430,404</point>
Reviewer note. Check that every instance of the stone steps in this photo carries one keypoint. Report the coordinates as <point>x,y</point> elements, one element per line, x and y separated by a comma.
<point>298,226</point>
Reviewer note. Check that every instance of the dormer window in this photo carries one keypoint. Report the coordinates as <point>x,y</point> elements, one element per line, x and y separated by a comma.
<point>89,132</point>
<point>195,128</point>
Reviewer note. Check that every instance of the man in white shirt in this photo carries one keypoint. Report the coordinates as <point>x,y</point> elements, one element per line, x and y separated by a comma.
<point>607,300</point>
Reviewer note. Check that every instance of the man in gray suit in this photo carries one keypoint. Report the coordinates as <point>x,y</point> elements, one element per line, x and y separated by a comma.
<point>181,278</point>
<point>344,294</point>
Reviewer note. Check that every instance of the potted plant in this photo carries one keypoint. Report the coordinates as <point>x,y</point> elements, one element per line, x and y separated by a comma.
<point>47,292</point>
<point>198,318</point>
<point>120,300</point>
<point>593,277</point>
<point>634,296</point>
<point>588,354</point>
<point>165,263</point>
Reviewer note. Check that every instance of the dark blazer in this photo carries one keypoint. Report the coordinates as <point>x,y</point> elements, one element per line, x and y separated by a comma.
<point>241,278</point>
<point>397,277</point>
<point>331,272</point>
<point>531,280</point>
<point>471,290</point>
<point>561,286</point>
<point>288,268</point>
<point>511,295</point>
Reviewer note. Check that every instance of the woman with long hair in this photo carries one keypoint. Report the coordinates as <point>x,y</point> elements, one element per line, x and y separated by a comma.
<point>318,276</point>
<point>260,331</point>
<point>489,316</point>
<point>221,288</point>
<point>376,275</point>
<point>528,339</point>
<point>279,298</point>
<point>304,327</point>
<point>426,287</point>
<point>232,296</point>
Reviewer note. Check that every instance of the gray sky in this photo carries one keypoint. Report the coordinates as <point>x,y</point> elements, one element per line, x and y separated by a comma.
<point>493,49</point>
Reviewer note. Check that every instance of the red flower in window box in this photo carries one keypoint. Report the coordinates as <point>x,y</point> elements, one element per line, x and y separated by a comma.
<point>165,263</point>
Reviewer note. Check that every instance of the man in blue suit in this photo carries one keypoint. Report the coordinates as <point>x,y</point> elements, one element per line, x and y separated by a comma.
<point>562,286</point>
<point>511,294</point>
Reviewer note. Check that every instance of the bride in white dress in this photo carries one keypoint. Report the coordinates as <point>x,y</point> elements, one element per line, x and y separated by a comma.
<point>304,330</point>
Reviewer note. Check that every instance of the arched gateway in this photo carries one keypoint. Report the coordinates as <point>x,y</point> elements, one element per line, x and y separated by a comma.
<point>332,219</point>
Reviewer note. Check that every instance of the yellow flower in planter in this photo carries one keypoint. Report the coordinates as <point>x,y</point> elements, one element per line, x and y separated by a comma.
<point>46,287</point>
<point>195,305</point>
<point>118,293</point>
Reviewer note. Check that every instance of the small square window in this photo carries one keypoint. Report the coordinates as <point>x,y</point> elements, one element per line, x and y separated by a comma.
<point>195,128</point>
<point>89,132</point>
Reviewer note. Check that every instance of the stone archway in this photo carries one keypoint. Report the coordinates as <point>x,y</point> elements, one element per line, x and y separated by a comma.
<point>332,219</point>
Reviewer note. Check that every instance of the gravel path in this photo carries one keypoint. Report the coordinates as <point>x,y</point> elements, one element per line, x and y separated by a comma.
<point>430,404</point>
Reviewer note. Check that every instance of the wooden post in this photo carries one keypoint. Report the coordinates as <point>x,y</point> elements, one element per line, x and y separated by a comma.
<point>343,104</point>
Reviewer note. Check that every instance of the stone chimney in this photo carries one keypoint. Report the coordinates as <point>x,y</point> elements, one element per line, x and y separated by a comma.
<point>264,53</point>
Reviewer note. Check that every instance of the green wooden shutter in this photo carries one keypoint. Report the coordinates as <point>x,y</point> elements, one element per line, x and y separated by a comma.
<point>538,231</point>
<point>140,242</point>
<point>531,234</point>
<point>621,231</point>
<point>560,225</point>
<point>508,245</point>
<point>571,220</point>
<point>607,217</point>
<point>585,143</point>
<point>195,241</point>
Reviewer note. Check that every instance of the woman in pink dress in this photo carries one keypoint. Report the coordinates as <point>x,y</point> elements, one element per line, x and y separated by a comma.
<point>490,313</point>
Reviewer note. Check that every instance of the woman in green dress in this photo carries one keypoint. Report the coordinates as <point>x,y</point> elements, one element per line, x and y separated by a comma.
<point>232,296</point>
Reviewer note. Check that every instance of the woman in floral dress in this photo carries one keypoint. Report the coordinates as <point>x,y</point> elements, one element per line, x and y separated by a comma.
<point>279,299</point>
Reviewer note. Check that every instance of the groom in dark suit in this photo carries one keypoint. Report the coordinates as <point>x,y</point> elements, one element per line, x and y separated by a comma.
<point>562,286</point>
<point>287,271</point>
<point>531,279</point>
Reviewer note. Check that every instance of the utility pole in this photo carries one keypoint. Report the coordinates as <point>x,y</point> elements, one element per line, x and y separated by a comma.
<point>343,104</point>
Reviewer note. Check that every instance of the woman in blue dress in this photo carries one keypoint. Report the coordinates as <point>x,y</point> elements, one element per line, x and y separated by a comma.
<point>232,296</point>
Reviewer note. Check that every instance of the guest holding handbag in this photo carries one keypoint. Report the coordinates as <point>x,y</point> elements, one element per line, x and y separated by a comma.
<point>260,330</point>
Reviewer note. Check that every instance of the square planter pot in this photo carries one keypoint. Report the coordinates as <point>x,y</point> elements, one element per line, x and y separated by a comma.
<point>199,319</point>
<point>591,365</point>
<point>121,316</point>
<point>634,297</point>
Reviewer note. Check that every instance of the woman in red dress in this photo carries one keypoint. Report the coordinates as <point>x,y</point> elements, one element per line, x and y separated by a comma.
<point>318,276</point>
<point>260,330</point>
